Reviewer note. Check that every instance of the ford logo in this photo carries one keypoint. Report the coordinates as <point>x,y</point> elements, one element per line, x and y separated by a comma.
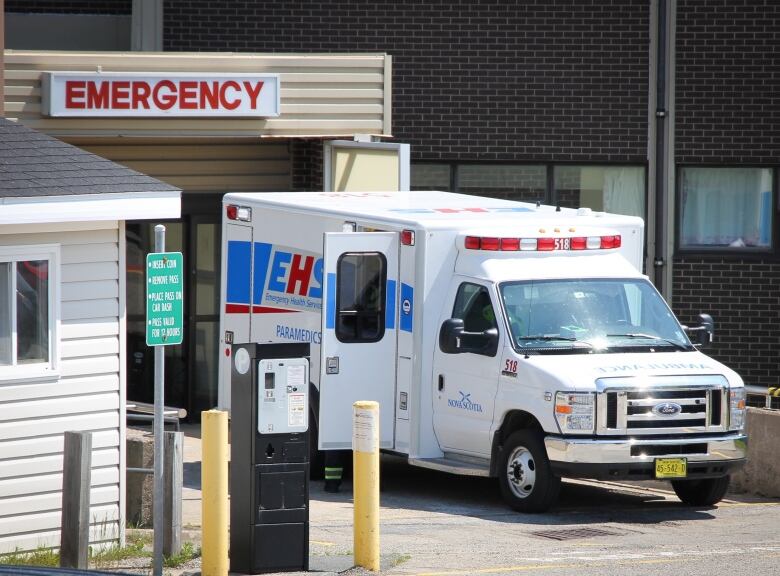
<point>667,409</point>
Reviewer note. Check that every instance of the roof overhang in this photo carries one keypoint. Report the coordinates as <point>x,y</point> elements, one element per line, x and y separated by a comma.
<point>90,207</point>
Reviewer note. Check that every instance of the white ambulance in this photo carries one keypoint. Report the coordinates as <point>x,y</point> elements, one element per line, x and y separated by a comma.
<point>500,338</point>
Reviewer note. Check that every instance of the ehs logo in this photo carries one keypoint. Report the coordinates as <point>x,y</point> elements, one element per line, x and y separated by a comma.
<point>464,403</point>
<point>289,278</point>
<point>283,279</point>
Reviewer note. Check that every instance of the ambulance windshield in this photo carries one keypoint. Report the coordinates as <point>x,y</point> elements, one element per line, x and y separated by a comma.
<point>598,315</point>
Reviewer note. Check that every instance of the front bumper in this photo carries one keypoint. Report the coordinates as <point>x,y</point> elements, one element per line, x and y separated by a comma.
<point>634,458</point>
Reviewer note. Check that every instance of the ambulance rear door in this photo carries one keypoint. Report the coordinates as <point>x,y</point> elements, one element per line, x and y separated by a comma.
<point>359,333</point>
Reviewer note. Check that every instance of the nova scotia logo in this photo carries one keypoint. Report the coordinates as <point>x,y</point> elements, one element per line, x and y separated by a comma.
<point>464,403</point>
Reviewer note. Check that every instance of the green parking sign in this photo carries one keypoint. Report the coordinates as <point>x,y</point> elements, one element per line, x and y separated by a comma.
<point>164,298</point>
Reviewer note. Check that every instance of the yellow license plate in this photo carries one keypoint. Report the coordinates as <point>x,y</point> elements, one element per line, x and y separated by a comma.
<point>671,467</point>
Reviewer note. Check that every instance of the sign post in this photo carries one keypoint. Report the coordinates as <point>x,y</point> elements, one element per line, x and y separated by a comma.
<point>164,327</point>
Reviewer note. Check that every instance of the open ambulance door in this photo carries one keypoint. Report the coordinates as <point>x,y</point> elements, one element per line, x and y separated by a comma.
<point>359,333</point>
<point>236,307</point>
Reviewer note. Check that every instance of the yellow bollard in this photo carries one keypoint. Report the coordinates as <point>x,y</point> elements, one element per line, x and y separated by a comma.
<point>365,458</point>
<point>214,486</point>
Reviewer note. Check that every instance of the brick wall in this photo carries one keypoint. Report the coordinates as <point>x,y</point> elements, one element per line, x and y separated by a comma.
<point>306,159</point>
<point>480,80</point>
<point>743,297</point>
<point>728,81</point>
<point>728,113</point>
<point>70,6</point>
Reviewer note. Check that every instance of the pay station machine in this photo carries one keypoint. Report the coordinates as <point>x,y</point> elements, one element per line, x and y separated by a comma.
<point>269,469</point>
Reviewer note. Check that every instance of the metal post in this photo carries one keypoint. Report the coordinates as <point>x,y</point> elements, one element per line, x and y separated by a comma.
<point>215,515</point>
<point>365,457</point>
<point>159,397</point>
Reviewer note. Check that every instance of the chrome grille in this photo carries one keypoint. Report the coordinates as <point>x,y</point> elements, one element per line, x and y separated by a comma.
<point>662,408</point>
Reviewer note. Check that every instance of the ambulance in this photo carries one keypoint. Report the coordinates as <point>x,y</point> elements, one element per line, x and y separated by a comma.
<point>501,339</point>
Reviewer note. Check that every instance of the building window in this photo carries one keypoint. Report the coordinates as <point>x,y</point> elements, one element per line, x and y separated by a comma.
<point>615,189</point>
<point>430,177</point>
<point>360,297</point>
<point>526,183</point>
<point>27,310</point>
<point>726,208</point>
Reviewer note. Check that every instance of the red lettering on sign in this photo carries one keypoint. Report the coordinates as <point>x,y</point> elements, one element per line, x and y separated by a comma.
<point>164,101</point>
<point>300,275</point>
<point>253,92</point>
<point>188,95</point>
<point>97,95</point>
<point>209,93</point>
<point>120,95</point>
<point>74,93</point>
<point>141,92</point>
<point>236,102</point>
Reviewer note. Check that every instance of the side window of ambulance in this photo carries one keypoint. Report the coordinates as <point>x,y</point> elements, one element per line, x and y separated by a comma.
<point>473,306</point>
<point>360,297</point>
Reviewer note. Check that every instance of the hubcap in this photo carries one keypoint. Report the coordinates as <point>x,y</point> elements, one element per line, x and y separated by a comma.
<point>521,472</point>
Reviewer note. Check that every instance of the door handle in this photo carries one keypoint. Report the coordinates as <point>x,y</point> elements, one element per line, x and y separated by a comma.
<point>441,383</point>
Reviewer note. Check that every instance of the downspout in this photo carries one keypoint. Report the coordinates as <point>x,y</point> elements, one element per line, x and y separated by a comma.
<point>662,156</point>
<point>660,132</point>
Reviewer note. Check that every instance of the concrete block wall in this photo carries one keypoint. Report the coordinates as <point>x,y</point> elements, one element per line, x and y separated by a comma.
<point>761,475</point>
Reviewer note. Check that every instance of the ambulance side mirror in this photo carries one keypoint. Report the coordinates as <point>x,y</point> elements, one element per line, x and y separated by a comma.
<point>704,332</point>
<point>454,340</point>
<point>450,336</point>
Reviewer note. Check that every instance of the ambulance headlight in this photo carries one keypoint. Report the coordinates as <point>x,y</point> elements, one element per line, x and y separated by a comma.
<point>736,408</point>
<point>575,412</point>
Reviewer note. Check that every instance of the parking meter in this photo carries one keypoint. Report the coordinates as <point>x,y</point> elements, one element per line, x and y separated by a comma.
<point>269,468</point>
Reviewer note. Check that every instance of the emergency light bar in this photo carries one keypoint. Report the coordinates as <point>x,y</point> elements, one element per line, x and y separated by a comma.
<point>542,244</point>
<point>242,213</point>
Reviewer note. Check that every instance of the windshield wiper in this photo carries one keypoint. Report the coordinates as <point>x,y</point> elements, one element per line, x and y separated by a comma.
<point>677,345</point>
<point>553,337</point>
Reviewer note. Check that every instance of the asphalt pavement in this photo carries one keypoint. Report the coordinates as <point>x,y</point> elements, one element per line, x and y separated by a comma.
<point>435,524</point>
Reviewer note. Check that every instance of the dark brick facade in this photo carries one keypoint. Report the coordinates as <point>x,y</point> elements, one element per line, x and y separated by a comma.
<point>306,160</point>
<point>532,80</point>
<point>728,113</point>
<point>743,297</point>
<point>113,7</point>
<point>728,81</point>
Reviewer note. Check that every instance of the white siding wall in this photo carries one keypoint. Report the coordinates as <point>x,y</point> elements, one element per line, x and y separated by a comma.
<point>86,396</point>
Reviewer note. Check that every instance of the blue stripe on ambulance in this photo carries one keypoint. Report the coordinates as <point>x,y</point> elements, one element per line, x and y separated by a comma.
<point>238,258</point>
<point>407,312</point>
<point>330,319</point>
<point>390,305</point>
<point>262,259</point>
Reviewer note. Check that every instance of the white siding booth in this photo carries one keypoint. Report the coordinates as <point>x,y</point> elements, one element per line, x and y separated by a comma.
<point>62,316</point>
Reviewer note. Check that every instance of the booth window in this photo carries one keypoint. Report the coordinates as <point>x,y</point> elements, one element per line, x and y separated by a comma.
<point>360,297</point>
<point>726,208</point>
<point>26,310</point>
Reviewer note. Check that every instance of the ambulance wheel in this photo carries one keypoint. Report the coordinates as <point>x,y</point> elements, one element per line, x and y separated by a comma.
<point>705,492</point>
<point>316,457</point>
<point>525,476</point>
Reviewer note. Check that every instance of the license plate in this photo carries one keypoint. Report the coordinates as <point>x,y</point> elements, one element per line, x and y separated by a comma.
<point>671,467</point>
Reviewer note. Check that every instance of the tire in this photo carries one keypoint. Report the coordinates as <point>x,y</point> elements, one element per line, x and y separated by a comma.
<point>524,475</point>
<point>316,458</point>
<point>704,492</point>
